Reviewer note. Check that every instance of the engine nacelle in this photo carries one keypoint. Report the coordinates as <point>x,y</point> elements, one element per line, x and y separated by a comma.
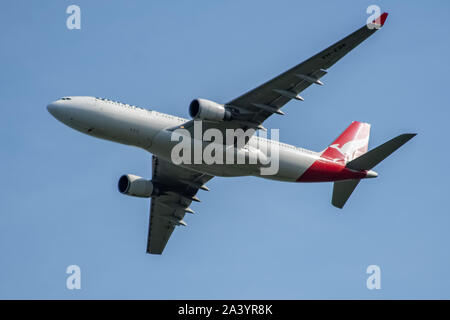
<point>136,186</point>
<point>208,110</point>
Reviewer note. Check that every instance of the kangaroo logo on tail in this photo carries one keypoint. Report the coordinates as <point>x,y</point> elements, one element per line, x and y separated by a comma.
<point>352,143</point>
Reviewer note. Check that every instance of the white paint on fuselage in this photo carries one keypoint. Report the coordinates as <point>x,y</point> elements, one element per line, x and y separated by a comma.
<point>148,130</point>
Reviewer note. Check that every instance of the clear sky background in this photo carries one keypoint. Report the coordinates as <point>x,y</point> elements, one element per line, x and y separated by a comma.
<point>250,238</point>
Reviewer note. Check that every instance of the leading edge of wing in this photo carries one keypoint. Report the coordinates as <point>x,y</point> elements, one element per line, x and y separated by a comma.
<point>312,68</point>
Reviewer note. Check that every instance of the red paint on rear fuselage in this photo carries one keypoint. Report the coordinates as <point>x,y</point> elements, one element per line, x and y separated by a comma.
<point>325,170</point>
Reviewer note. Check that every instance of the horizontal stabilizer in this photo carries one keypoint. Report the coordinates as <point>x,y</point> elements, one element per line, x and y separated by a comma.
<point>373,157</point>
<point>342,190</point>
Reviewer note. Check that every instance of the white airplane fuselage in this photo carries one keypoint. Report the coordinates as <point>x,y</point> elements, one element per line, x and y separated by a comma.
<point>220,140</point>
<point>148,129</point>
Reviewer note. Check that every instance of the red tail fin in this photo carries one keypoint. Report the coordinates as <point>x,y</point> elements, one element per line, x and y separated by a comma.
<point>352,143</point>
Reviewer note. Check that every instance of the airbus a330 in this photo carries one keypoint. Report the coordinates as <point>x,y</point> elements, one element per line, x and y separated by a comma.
<point>174,186</point>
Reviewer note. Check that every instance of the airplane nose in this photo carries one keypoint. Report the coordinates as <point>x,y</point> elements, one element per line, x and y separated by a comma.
<point>52,109</point>
<point>60,110</point>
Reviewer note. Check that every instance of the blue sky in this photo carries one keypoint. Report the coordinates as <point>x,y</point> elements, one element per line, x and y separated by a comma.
<point>250,238</point>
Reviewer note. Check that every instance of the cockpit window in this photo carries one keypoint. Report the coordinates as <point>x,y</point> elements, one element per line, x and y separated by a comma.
<point>66,98</point>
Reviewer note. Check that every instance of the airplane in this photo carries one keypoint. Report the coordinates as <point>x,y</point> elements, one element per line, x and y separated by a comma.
<point>174,186</point>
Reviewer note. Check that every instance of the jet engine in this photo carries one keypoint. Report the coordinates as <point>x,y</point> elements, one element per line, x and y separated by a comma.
<point>136,186</point>
<point>208,110</point>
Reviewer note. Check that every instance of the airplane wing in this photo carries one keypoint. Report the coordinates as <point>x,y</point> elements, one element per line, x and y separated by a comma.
<point>249,111</point>
<point>268,98</point>
<point>252,108</point>
<point>178,187</point>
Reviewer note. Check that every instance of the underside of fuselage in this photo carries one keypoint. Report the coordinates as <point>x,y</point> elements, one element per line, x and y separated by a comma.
<point>151,131</point>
